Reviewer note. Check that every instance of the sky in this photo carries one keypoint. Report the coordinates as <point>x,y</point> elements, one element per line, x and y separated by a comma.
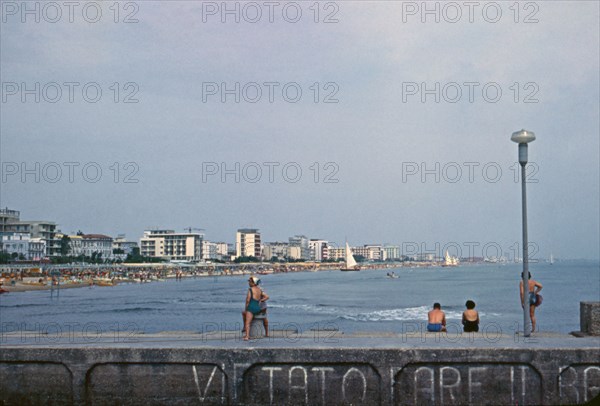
<point>371,121</point>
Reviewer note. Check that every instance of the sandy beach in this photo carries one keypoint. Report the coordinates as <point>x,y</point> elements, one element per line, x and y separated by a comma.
<point>24,287</point>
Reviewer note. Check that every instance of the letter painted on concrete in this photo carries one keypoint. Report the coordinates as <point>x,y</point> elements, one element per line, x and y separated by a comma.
<point>321,384</point>
<point>156,383</point>
<point>466,383</point>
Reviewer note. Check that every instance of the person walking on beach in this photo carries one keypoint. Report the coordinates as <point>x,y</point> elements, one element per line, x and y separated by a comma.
<point>436,319</point>
<point>252,308</point>
<point>470,318</point>
<point>533,297</point>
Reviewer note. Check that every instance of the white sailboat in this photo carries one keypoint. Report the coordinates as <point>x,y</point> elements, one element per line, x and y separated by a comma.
<point>450,260</point>
<point>551,259</point>
<point>351,264</point>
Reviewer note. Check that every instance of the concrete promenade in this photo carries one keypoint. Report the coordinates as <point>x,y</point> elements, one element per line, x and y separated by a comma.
<point>317,368</point>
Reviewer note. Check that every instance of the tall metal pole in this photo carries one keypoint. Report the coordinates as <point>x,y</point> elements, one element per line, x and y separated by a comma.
<point>526,305</point>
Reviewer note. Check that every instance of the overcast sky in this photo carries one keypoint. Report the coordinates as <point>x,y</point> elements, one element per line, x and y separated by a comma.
<point>386,94</point>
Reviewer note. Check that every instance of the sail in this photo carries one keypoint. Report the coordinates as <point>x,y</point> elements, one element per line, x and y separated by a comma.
<point>350,261</point>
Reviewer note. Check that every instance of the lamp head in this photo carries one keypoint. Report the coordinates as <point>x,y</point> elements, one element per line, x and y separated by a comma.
<point>523,137</point>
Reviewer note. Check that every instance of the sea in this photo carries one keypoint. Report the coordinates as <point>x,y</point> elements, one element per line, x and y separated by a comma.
<point>350,302</point>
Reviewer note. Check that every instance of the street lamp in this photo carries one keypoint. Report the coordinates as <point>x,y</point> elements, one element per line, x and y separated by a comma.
<point>522,138</point>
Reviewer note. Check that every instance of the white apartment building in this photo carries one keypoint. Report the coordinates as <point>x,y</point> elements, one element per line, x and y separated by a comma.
<point>37,249</point>
<point>319,250</point>
<point>391,252</point>
<point>247,243</point>
<point>301,242</point>
<point>336,253</point>
<point>170,245</point>
<point>75,245</point>
<point>15,243</point>
<point>278,250</point>
<point>97,243</point>
<point>294,252</point>
<point>123,247</point>
<point>374,252</point>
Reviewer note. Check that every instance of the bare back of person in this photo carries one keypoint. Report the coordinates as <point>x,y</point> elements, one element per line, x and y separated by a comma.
<point>471,315</point>
<point>436,316</point>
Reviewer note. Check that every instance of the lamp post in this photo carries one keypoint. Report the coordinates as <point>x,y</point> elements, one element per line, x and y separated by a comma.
<point>522,138</point>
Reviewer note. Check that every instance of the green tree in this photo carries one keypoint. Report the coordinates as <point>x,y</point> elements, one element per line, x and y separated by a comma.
<point>65,246</point>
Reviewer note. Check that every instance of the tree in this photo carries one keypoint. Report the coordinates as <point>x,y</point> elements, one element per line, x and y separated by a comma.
<point>65,246</point>
<point>360,258</point>
<point>4,257</point>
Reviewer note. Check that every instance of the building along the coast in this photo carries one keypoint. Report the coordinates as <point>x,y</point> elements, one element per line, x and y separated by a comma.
<point>168,244</point>
<point>277,250</point>
<point>214,250</point>
<point>299,247</point>
<point>391,252</point>
<point>11,223</point>
<point>8,217</point>
<point>336,253</point>
<point>247,243</point>
<point>374,252</point>
<point>319,250</point>
<point>16,244</point>
<point>121,247</point>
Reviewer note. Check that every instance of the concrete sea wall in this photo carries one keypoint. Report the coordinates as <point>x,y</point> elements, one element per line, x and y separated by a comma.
<point>250,375</point>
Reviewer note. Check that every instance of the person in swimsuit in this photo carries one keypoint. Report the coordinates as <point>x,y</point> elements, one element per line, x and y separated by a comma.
<point>534,289</point>
<point>253,299</point>
<point>436,319</point>
<point>470,318</point>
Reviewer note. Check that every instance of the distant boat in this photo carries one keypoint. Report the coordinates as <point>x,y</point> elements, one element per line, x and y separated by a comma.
<point>351,264</point>
<point>392,275</point>
<point>551,259</point>
<point>450,260</point>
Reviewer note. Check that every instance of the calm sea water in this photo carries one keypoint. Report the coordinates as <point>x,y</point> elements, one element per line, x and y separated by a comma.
<point>350,301</point>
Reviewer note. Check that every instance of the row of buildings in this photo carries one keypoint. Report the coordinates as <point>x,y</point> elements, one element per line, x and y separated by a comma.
<point>39,240</point>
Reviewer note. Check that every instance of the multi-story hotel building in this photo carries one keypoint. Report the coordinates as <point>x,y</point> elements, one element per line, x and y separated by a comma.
<point>279,250</point>
<point>301,242</point>
<point>247,243</point>
<point>170,245</point>
<point>374,252</point>
<point>319,250</point>
<point>16,244</point>
<point>121,247</point>
<point>8,217</point>
<point>97,243</point>
<point>10,222</point>
<point>214,250</point>
<point>391,252</point>
<point>336,253</point>
<point>37,249</point>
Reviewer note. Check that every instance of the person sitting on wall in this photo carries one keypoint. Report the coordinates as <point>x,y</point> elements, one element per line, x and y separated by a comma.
<point>436,319</point>
<point>470,318</point>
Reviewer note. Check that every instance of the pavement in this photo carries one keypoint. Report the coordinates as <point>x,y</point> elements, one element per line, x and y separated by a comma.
<point>322,339</point>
